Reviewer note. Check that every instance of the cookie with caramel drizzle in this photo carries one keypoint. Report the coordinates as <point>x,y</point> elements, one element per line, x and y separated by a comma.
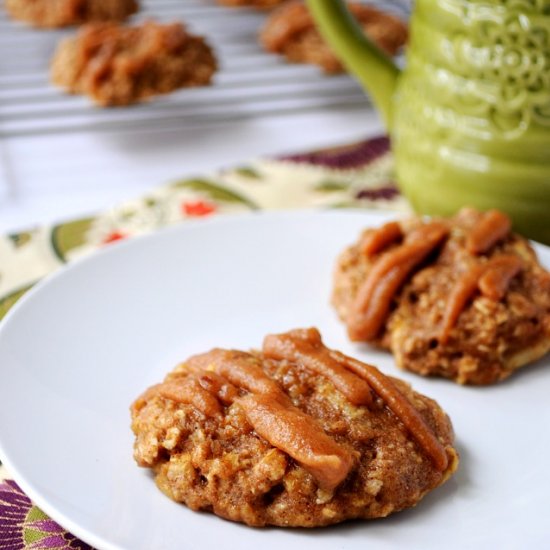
<point>464,298</point>
<point>118,65</point>
<point>295,434</point>
<point>291,31</point>
<point>63,13</point>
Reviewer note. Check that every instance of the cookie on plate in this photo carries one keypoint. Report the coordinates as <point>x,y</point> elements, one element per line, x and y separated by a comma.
<point>120,65</point>
<point>293,435</point>
<point>291,31</point>
<point>464,298</point>
<point>61,13</point>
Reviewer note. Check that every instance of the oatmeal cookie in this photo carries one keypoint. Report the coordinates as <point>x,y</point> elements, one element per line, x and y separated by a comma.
<point>294,435</point>
<point>463,298</point>
<point>62,13</point>
<point>291,31</point>
<point>118,65</point>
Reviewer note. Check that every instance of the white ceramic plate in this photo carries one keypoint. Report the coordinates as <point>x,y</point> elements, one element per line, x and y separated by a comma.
<point>81,346</point>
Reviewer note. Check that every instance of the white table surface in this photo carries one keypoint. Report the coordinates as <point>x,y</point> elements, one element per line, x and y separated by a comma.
<point>55,177</point>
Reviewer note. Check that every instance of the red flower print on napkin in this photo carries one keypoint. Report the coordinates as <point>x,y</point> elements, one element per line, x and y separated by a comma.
<point>113,237</point>
<point>198,208</point>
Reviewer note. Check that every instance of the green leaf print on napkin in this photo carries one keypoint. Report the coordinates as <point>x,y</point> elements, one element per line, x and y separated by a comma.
<point>329,186</point>
<point>215,191</point>
<point>7,302</point>
<point>67,236</point>
<point>247,172</point>
<point>20,239</point>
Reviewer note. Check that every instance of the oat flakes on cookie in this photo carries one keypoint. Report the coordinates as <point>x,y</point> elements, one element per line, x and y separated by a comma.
<point>293,435</point>
<point>291,31</point>
<point>62,13</point>
<point>464,298</point>
<point>120,65</point>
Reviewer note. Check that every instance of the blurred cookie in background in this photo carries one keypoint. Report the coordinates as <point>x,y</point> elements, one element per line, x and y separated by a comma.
<point>62,13</point>
<point>291,31</point>
<point>120,65</point>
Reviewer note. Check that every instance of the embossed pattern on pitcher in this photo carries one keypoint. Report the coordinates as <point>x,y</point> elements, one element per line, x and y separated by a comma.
<point>473,106</point>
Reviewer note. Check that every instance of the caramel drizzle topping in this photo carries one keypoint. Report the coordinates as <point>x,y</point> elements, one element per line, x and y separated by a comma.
<point>492,279</point>
<point>379,239</point>
<point>291,346</point>
<point>305,346</point>
<point>400,406</point>
<point>463,289</point>
<point>388,274</point>
<point>498,275</point>
<point>186,390</point>
<point>217,385</point>
<point>240,368</point>
<point>298,435</point>
<point>392,269</point>
<point>489,230</point>
<point>219,377</point>
<point>224,373</point>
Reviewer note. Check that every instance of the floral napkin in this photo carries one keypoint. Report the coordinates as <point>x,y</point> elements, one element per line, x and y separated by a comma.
<point>358,175</point>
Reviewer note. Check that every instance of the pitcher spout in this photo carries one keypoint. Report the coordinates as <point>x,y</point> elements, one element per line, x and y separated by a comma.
<point>376,71</point>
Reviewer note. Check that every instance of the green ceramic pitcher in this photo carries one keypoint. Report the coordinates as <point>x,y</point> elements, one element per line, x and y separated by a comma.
<point>469,116</point>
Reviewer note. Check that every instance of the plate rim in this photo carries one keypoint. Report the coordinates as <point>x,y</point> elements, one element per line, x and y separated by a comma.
<point>28,487</point>
<point>117,248</point>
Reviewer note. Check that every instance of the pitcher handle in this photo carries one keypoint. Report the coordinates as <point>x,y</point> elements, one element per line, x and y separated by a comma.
<point>375,70</point>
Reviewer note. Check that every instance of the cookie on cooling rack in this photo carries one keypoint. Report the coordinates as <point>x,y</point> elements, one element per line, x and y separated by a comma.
<point>463,298</point>
<point>294,435</point>
<point>61,13</point>
<point>291,31</point>
<point>120,65</point>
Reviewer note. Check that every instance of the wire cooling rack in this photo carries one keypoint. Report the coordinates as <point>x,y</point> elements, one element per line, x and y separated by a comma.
<point>250,82</point>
